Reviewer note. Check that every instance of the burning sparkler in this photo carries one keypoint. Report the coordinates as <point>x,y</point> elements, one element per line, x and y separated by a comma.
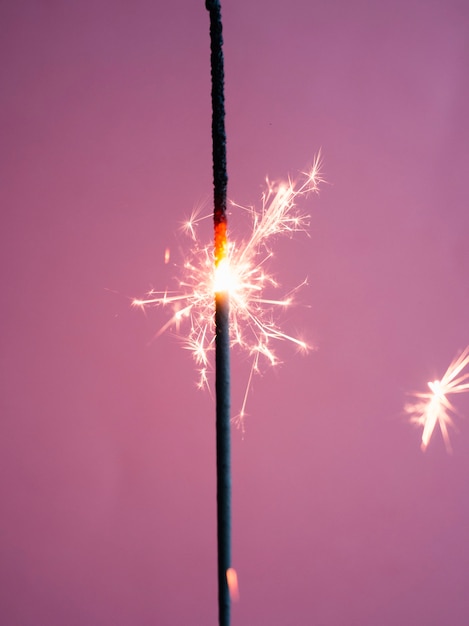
<point>234,278</point>
<point>244,274</point>
<point>433,407</point>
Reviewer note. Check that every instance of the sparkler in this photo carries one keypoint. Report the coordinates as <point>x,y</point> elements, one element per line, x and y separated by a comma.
<point>222,314</point>
<point>433,407</point>
<point>244,273</point>
<point>235,277</point>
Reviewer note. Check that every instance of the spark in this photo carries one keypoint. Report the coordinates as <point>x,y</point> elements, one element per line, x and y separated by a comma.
<point>432,408</point>
<point>232,580</point>
<point>243,272</point>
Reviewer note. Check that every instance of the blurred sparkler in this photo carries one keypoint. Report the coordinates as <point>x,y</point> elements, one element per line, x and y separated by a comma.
<point>433,407</point>
<point>244,273</point>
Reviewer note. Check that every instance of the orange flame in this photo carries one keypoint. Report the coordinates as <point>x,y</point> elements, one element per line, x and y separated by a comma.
<point>221,242</point>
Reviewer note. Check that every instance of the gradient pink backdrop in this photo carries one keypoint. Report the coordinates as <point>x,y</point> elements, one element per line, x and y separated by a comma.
<point>106,447</point>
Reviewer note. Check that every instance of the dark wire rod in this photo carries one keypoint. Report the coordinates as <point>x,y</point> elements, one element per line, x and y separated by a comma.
<point>222,336</point>
<point>220,177</point>
<point>222,388</point>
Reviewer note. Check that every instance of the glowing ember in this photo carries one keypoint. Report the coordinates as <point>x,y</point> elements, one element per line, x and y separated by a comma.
<point>241,270</point>
<point>433,407</point>
<point>232,580</point>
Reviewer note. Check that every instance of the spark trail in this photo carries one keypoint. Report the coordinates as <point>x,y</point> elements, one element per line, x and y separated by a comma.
<point>432,408</point>
<point>245,273</point>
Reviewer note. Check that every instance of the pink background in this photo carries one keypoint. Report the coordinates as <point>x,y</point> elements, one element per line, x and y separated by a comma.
<point>106,447</point>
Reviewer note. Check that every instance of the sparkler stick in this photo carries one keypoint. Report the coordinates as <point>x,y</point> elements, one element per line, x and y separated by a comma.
<point>222,336</point>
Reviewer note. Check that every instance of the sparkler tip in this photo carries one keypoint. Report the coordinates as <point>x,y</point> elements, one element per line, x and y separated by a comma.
<point>238,269</point>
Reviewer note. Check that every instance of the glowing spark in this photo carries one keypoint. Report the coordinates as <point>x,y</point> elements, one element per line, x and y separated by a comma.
<point>167,255</point>
<point>433,407</point>
<point>232,580</point>
<point>241,270</point>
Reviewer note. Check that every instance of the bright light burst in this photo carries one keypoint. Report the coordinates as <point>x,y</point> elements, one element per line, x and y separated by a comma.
<point>244,274</point>
<point>433,407</point>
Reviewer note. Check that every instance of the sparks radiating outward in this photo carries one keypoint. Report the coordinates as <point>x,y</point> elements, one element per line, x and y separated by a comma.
<point>433,407</point>
<point>244,274</point>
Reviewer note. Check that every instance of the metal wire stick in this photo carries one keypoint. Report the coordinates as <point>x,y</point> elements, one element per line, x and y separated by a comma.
<point>222,337</point>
